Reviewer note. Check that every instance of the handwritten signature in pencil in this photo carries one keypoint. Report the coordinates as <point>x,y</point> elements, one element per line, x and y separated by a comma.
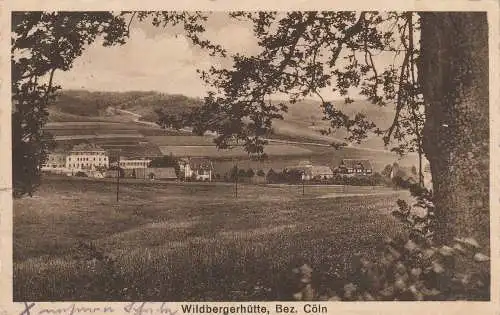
<point>133,308</point>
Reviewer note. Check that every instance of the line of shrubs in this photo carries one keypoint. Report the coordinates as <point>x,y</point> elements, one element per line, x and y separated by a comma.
<point>293,176</point>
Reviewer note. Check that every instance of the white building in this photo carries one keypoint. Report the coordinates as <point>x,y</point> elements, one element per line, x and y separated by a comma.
<point>133,164</point>
<point>87,157</point>
<point>197,168</point>
<point>310,171</point>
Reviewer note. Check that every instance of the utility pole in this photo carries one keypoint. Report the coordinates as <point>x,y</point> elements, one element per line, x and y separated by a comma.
<point>236,181</point>
<point>118,178</point>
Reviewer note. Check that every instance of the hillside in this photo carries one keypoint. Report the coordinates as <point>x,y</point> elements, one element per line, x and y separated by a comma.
<point>110,119</point>
<point>93,105</point>
<point>303,121</point>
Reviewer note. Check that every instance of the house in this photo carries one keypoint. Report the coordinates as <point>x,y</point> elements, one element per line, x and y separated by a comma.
<point>134,163</point>
<point>196,168</point>
<point>355,167</point>
<point>310,171</point>
<point>87,156</point>
<point>318,172</point>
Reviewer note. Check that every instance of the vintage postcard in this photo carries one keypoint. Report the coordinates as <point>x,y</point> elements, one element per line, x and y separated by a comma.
<point>262,158</point>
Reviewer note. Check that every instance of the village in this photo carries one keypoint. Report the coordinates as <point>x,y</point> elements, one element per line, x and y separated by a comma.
<point>91,160</point>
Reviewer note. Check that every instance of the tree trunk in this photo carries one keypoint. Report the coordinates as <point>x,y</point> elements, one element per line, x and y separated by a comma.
<point>454,75</point>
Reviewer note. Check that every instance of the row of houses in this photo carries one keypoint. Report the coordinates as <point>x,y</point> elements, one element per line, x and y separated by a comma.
<point>94,161</point>
<point>360,167</point>
<point>347,167</point>
<point>199,169</point>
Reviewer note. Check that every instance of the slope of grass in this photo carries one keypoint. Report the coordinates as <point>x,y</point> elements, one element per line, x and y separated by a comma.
<point>185,242</point>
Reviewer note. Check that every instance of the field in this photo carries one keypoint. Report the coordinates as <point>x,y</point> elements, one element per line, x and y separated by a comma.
<point>174,241</point>
<point>212,151</point>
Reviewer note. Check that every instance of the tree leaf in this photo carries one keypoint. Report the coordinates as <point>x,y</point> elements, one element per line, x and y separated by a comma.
<point>437,268</point>
<point>446,251</point>
<point>411,246</point>
<point>469,241</point>
<point>479,257</point>
<point>459,248</point>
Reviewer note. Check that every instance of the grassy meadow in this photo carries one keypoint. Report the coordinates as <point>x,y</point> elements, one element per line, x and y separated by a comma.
<point>196,241</point>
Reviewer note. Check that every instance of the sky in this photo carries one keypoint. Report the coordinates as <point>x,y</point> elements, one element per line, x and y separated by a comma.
<point>156,58</point>
<point>160,59</point>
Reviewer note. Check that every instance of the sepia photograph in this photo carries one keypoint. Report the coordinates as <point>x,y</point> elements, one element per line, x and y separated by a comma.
<point>238,156</point>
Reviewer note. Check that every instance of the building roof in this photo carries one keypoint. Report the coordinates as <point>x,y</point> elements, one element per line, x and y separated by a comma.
<point>125,159</point>
<point>198,163</point>
<point>353,163</point>
<point>320,170</point>
<point>87,147</point>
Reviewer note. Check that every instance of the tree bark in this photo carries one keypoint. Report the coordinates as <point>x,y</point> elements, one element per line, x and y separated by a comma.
<point>453,70</point>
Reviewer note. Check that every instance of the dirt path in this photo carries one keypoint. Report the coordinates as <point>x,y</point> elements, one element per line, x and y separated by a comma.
<point>338,195</point>
<point>137,118</point>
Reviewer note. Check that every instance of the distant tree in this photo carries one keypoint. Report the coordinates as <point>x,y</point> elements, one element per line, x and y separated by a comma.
<point>271,176</point>
<point>120,170</point>
<point>401,173</point>
<point>42,43</point>
<point>242,173</point>
<point>166,161</point>
<point>414,170</point>
<point>233,173</point>
<point>250,173</point>
<point>377,178</point>
<point>386,172</point>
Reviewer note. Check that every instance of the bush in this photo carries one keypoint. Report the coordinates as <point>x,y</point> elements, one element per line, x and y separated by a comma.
<point>337,179</point>
<point>242,173</point>
<point>407,271</point>
<point>272,176</point>
<point>250,173</point>
<point>411,268</point>
<point>292,176</point>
